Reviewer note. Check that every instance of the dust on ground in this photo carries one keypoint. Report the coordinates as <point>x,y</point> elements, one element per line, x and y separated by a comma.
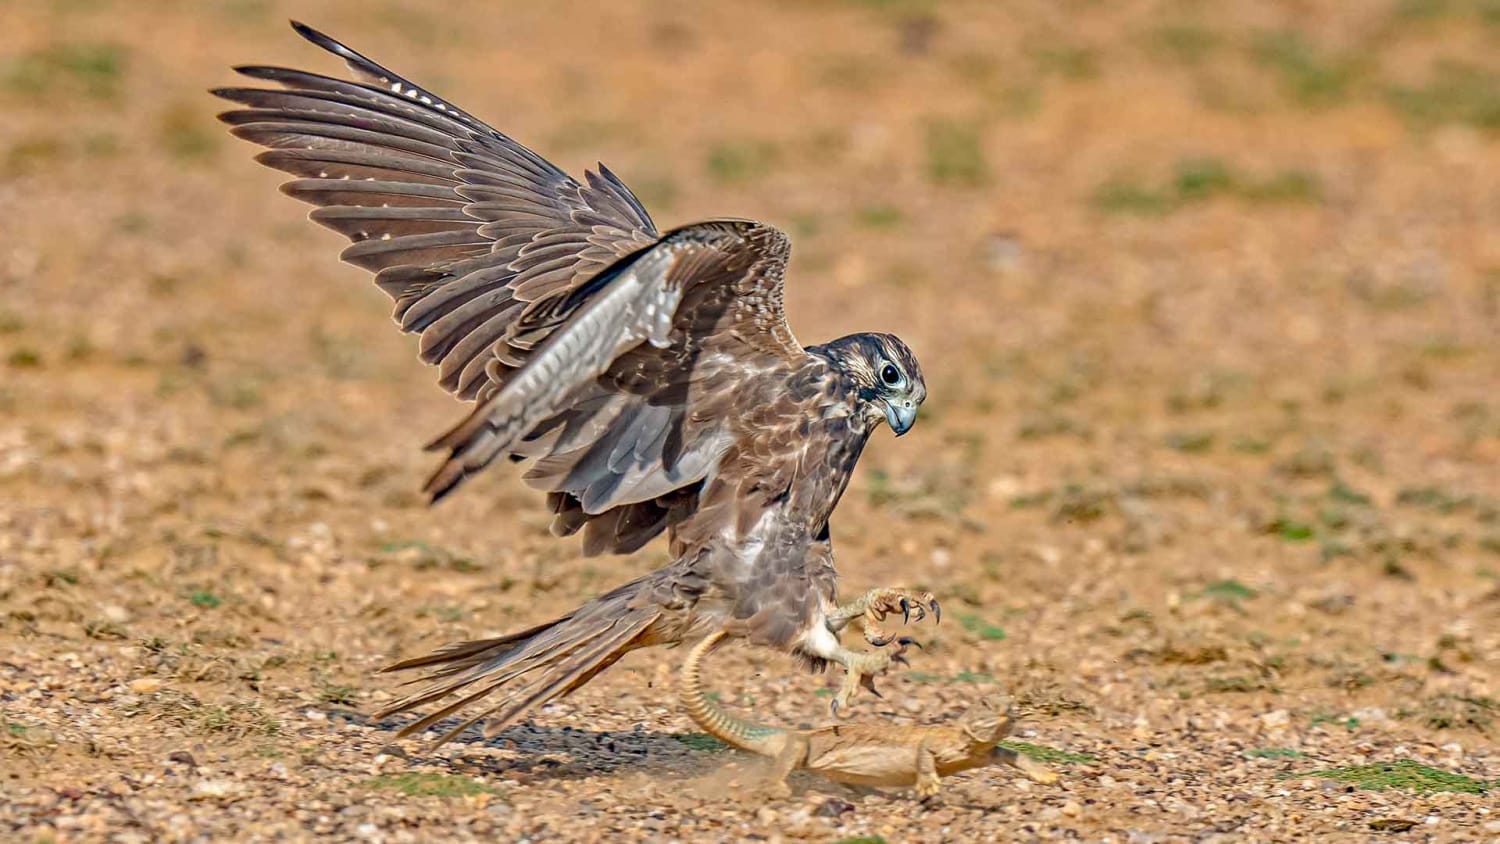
<point>1207,301</point>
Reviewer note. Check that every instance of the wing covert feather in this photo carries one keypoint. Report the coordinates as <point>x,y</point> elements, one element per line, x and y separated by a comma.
<point>606,351</point>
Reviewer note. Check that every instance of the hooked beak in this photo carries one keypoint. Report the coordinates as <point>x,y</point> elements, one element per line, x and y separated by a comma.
<point>901,416</point>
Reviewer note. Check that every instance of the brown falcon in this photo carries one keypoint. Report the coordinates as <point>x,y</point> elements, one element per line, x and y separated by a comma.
<point>648,376</point>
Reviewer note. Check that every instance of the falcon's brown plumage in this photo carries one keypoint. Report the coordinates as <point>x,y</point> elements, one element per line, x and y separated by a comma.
<point>650,377</point>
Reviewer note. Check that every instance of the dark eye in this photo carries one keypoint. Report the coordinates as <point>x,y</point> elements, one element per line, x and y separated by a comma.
<point>890,375</point>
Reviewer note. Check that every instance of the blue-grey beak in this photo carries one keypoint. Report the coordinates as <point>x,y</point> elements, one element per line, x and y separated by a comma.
<point>900,416</point>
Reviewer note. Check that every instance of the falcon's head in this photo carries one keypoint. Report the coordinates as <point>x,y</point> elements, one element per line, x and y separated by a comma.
<point>887,374</point>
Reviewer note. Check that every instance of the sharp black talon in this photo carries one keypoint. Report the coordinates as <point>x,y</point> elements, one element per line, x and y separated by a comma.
<point>868,681</point>
<point>901,659</point>
<point>907,640</point>
<point>906,611</point>
<point>937,612</point>
<point>882,642</point>
<point>833,708</point>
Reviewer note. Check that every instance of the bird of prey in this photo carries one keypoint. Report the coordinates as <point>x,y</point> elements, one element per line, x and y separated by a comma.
<point>649,377</point>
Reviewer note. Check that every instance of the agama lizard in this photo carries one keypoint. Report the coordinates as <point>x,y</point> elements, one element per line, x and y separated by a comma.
<point>863,754</point>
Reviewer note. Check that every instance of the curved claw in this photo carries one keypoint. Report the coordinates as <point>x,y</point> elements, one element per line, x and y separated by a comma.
<point>881,641</point>
<point>901,659</point>
<point>937,612</point>
<point>868,682</point>
<point>907,608</point>
<point>907,640</point>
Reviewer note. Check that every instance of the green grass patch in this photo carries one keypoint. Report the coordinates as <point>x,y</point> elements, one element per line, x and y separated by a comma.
<point>339,695</point>
<point>1201,178</point>
<point>1345,494</point>
<point>955,153</point>
<point>741,162</point>
<point>1119,196</point>
<point>1454,93</point>
<point>1228,590</point>
<point>1186,43</point>
<point>1050,755</point>
<point>1250,445</point>
<point>204,599</point>
<point>429,785</point>
<point>702,742</point>
<point>1404,774</point>
<point>1432,498</point>
<point>1067,62</point>
<point>1306,75</point>
<point>25,359</point>
<point>1189,442</point>
<point>430,556</point>
<point>981,628</point>
<point>1274,753</point>
<point>1348,722</point>
<point>1290,530</point>
<point>879,217</point>
<point>184,136</point>
<point>93,70</point>
<point>1285,186</point>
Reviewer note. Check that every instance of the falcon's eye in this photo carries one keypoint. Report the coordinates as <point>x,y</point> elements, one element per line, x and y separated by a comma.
<point>890,375</point>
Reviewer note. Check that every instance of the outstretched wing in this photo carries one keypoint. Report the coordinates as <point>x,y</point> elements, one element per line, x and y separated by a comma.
<point>607,352</point>
<point>461,225</point>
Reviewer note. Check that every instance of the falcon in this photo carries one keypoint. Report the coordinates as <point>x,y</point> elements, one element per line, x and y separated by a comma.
<point>647,378</point>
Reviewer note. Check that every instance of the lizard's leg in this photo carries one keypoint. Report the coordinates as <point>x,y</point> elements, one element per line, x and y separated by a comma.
<point>928,781</point>
<point>1030,768</point>
<point>793,755</point>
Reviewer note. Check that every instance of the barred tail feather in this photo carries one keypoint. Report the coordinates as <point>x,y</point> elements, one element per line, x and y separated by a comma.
<point>527,668</point>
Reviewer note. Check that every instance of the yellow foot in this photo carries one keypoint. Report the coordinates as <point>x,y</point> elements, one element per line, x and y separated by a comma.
<point>928,786</point>
<point>872,608</point>
<point>862,669</point>
<point>1036,771</point>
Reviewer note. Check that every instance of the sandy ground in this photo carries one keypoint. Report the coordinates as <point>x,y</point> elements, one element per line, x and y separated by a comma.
<point>1207,302</point>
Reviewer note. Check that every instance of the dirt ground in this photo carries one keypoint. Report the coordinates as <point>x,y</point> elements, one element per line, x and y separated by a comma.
<point>1207,296</point>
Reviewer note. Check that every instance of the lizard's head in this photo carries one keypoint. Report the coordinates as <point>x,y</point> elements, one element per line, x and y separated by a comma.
<point>988,720</point>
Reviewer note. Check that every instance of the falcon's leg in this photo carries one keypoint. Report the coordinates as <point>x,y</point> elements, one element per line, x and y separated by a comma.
<point>870,609</point>
<point>873,606</point>
<point>862,668</point>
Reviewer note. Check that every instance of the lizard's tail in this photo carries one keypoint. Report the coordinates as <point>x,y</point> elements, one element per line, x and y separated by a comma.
<point>709,716</point>
<point>531,667</point>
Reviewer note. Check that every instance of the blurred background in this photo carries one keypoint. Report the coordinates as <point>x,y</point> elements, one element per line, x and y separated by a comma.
<point>1207,296</point>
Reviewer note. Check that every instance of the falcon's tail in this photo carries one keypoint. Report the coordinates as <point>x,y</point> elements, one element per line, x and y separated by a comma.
<point>531,667</point>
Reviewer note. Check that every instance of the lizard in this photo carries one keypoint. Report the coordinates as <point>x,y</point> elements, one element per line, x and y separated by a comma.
<point>862,754</point>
